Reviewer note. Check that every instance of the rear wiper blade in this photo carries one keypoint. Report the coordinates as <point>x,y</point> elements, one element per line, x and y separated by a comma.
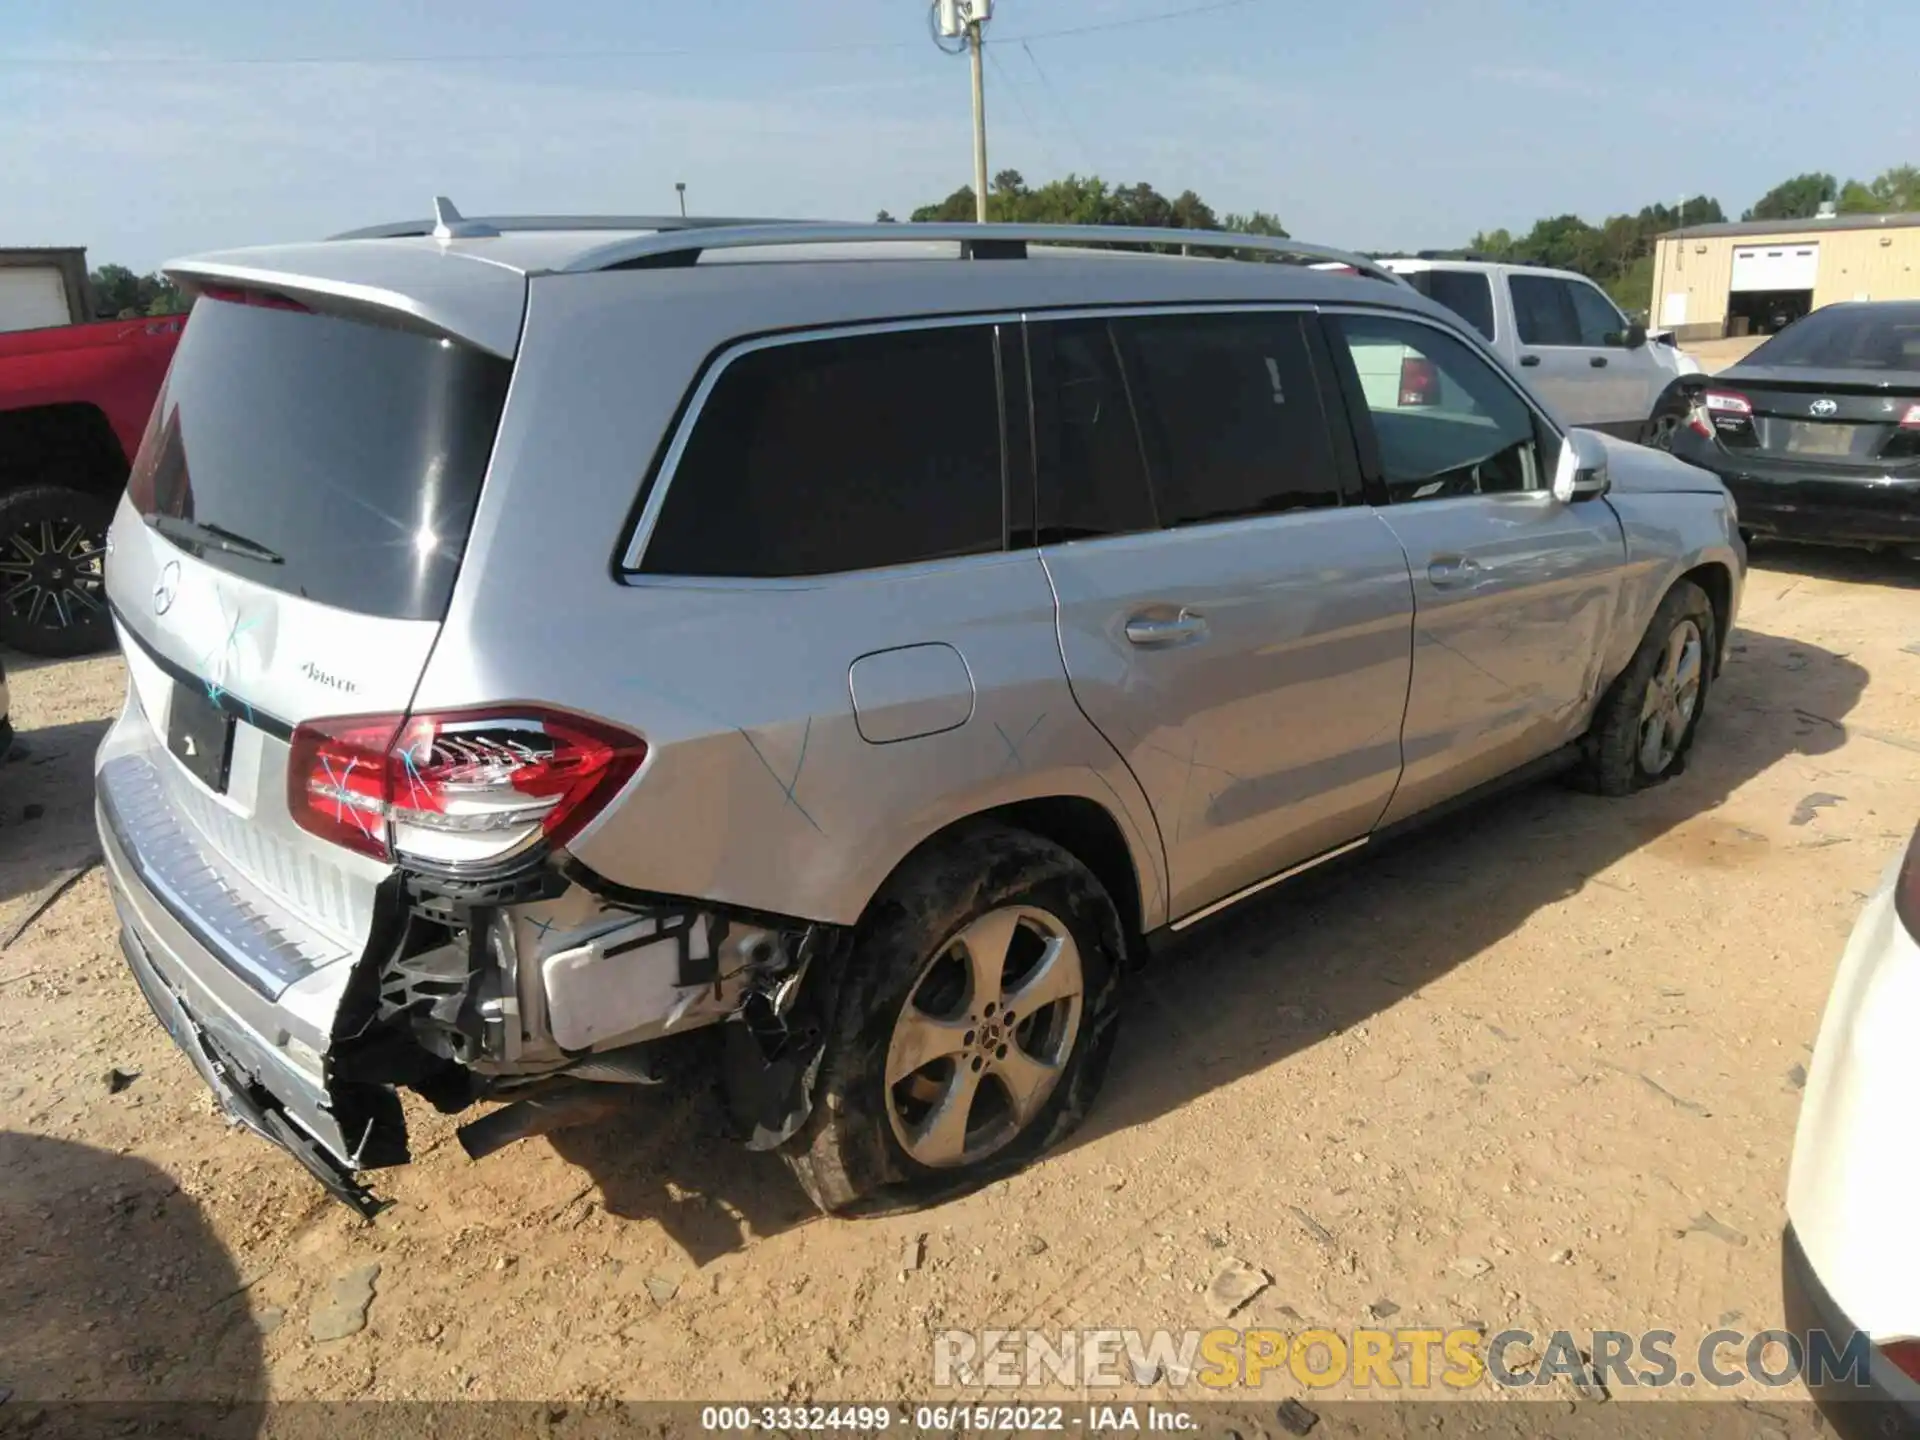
<point>213,537</point>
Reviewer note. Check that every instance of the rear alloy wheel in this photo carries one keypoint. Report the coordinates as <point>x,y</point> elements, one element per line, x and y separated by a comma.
<point>1660,430</point>
<point>971,1027</point>
<point>52,579</point>
<point>984,1037</point>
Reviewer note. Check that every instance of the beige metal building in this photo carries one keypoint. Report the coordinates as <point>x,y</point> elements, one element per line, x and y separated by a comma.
<point>1754,276</point>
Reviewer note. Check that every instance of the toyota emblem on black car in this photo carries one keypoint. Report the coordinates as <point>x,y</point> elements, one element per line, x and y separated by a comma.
<point>1823,407</point>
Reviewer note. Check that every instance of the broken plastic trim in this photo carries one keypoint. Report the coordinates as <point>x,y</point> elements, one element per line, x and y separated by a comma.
<point>771,1059</point>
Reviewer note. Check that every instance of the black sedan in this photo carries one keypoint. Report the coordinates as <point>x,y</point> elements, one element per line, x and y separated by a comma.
<point>1817,432</point>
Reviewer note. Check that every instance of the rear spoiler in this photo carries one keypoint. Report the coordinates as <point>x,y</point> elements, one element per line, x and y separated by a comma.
<point>448,295</point>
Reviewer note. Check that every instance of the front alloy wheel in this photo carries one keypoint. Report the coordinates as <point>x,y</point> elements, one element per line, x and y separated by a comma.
<point>1646,722</point>
<point>1673,690</point>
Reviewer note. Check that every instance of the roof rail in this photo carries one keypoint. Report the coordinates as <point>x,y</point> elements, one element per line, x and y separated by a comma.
<point>500,224</point>
<point>983,242</point>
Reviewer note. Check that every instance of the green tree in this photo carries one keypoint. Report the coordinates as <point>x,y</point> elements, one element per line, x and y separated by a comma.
<point>1857,199</point>
<point>1089,200</point>
<point>119,294</point>
<point>1898,190</point>
<point>1494,244</point>
<point>1797,199</point>
<point>1259,222</point>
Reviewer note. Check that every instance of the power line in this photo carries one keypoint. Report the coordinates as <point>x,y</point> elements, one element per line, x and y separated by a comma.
<point>1040,139</point>
<point>1066,113</point>
<point>539,57</point>
<point>1123,24</point>
<point>521,57</point>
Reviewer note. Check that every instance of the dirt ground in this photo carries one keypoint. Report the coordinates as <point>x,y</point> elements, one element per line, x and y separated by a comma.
<point>1536,1067</point>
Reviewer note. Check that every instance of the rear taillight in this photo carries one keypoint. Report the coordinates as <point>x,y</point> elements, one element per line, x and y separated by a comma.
<point>1906,892</point>
<point>1911,420</point>
<point>1905,1355</point>
<point>463,787</point>
<point>1419,381</point>
<point>1724,409</point>
<point>264,299</point>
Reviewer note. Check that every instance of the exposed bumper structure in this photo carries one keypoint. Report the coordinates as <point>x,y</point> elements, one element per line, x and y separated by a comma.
<point>286,1028</point>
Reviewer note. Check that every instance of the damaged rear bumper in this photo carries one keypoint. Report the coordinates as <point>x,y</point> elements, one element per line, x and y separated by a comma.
<point>308,1057</point>
<point>253,1080</point>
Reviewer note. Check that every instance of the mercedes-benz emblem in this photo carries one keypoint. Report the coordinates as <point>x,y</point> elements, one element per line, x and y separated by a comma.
<point>166,587</point>
<point>1823,407</point>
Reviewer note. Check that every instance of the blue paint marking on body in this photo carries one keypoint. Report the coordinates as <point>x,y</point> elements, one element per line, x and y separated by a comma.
<point>787,787</point>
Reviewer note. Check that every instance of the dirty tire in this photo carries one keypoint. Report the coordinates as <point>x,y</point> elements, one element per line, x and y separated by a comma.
<point>1658,431</point>
<point>39,525</point>
<point>1612,760</point>
<point>847,1156</point>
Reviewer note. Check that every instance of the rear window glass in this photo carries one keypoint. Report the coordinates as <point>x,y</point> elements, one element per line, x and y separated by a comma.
<point>1465,292</point>
<point>1881,338</point>
<point>351,452</point>
<point>825,456</point>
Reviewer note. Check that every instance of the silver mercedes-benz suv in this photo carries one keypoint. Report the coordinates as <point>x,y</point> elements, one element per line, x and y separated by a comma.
<point>547,640</point>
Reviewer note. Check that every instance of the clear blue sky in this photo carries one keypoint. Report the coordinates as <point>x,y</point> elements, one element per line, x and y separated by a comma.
<point>127,126</point>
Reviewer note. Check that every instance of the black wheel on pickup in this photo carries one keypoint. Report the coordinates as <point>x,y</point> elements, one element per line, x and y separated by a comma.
<point>973,1026</point>
<point>52,583</point>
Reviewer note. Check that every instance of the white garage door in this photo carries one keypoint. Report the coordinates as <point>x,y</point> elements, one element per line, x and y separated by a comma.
<point>32,296</point>
<point>1775,267</point>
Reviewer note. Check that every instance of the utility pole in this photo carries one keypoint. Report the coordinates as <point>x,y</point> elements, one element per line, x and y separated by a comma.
<point>979,118</point>
<point>969,18</point>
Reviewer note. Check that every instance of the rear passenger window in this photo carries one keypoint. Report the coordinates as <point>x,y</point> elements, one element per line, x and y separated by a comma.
<point>825,456</point>
<point>1465,292</point>
<point>1230,408</point>
<point>1093,477</point>
<point>1543,311</point>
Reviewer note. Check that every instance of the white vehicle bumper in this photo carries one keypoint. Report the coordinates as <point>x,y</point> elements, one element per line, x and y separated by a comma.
<point>1851,1261</point>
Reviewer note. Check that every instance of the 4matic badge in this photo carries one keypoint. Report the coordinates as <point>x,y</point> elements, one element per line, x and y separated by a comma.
<point>333,682</point>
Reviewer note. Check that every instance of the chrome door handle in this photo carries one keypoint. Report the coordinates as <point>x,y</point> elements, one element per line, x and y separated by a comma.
<point>1455,570</point>
<point>1148,630</point>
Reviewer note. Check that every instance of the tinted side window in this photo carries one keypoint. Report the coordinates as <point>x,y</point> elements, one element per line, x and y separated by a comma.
<point>1230,407</point>
<point>1468,293</point>
<point>1093,477</point>
<point>1444,420</point>
<point>1543,311</point>
<point>1600,323</point>
<point>843,454</point>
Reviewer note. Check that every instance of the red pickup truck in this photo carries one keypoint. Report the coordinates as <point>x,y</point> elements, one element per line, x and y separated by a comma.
<point>74,402</point>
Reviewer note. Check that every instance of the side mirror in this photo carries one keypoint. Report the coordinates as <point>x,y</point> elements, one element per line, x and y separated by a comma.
<point>1634,336</point>
<point>1581,469</point>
